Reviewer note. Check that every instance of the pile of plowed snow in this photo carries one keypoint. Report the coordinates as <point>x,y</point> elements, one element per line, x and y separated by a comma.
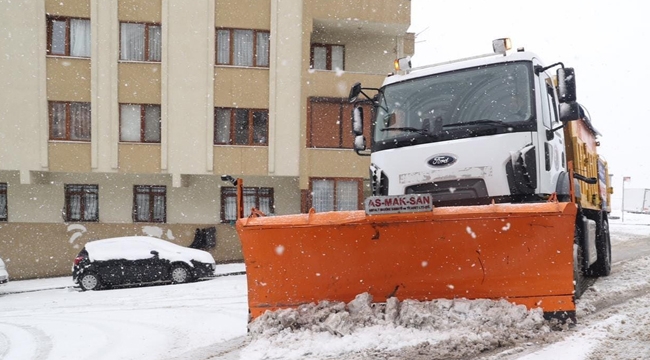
<point>447,328</point>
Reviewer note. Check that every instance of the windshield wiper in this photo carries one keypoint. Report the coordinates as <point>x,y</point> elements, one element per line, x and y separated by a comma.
<point>479,122</point>
<point>408,129</point>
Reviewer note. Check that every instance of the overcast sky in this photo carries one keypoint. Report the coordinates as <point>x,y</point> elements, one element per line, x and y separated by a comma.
<point>605,41</point>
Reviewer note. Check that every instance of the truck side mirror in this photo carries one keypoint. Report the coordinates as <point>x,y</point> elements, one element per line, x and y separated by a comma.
<point>566,80</point>
<point>355,90</point>
<point>359,143</point>
<point>570,111</point>
<point>357,120</point>
<point>357,130</point>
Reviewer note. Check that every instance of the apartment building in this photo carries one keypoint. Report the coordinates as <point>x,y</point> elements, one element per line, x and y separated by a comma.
<point>117,117</point>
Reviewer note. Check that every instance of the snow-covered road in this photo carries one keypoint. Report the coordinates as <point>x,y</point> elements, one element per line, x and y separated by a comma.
<point>48,319</point>
<point>154,322</point>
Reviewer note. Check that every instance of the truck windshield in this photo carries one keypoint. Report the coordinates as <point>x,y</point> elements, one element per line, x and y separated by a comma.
<point>447,105</point>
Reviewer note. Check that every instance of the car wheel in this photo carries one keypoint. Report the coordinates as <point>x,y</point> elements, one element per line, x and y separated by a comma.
<point>180,274</point>
<point>89,281</point>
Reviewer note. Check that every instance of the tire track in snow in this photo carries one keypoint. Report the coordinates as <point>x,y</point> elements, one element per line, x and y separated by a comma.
<point>106,334</point>
<point>225,350</point>
<point>17,337</point>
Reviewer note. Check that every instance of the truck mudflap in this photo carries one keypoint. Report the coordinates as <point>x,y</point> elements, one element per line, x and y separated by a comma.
<point>519,252</point>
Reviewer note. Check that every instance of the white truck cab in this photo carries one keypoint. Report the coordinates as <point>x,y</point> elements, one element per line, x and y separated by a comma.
<point>471,131</point>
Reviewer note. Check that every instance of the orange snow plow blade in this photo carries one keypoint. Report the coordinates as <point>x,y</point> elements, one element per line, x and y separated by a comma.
<point>519,252</point>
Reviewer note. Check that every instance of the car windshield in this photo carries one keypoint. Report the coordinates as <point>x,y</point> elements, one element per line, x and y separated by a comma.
<point>475,97</point>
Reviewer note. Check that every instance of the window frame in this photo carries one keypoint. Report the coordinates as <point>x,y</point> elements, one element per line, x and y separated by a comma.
<point>328,56</point>
<point>143,123</point>
<point>553,103</point>
<point>231,41</point>
<point>251,127</point>
<point>149,191</point>
<point>68,120</point>
<point>4,193</point>
<point>147,25</point>
<point>68,43</point>
<point>83,207</point>
<point>231,191</point>
<point>309,203</point>
<point>344,123</point>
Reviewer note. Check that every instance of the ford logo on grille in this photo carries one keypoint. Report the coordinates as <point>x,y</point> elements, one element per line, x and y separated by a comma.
<point>441,160</point>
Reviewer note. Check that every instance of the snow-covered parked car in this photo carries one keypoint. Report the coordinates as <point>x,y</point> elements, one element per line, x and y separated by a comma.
<point>138,260</point>
<point>4,276</point>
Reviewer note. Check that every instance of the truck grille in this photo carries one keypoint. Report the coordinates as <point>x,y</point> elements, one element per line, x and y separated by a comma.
<point>453,192</point>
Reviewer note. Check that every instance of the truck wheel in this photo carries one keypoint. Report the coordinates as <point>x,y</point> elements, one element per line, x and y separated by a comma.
<point>602,266</point>
<point>578,260</point>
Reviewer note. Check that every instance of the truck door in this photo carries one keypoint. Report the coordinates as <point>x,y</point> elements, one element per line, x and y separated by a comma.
<point>551,144</point>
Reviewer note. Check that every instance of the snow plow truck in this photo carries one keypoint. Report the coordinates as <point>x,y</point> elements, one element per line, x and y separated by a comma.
<point>486,183</point>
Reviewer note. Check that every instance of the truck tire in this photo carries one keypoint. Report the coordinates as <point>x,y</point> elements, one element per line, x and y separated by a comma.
<point>602,266</point>
<point>579,281</point>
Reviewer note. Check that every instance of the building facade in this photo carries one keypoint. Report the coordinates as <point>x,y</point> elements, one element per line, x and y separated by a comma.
<point>117,117</point>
